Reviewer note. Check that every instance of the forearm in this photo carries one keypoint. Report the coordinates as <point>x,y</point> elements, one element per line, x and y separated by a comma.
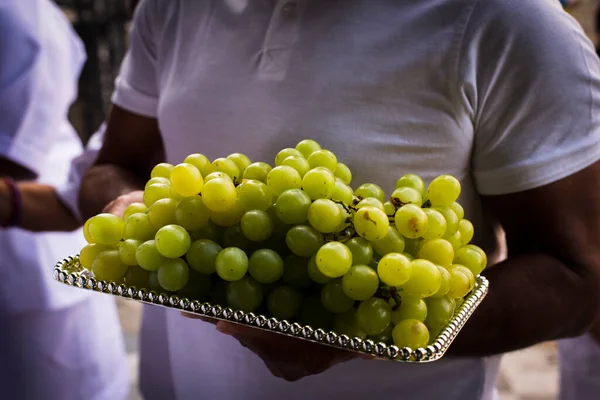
<point>532,298</point>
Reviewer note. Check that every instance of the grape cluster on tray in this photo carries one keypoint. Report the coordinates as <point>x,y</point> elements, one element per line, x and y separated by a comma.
<point>296,242</point>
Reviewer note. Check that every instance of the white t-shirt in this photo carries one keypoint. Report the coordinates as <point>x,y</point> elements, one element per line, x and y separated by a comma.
<point>502,94</point>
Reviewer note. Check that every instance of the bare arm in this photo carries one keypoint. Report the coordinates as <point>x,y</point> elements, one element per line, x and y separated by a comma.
<point>549,287</point>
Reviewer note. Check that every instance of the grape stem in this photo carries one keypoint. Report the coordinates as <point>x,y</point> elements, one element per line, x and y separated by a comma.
<point>397,299</point>
<point>346,207</point>
<point>427,204</point>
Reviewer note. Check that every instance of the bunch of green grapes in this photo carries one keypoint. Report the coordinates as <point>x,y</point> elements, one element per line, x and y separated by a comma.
<point>295,241</point>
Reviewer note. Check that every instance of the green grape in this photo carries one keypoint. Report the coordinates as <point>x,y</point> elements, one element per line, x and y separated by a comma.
<point>202,255</point>
<point>108,267</point>
<point>334,299</point>
<point>172,241</point>
<point>89,253</point>
<point>257,171</point>
<point>389,209</point>
<point>374,315</point>
<point>334,259</point>
<point>241,161</point>
<point>153,284</point>
<point>138,227</point>
<point>106,229</point>
<point>470,258</point>
<point>465,271</point>
<point>137,277</point>
<point>480,251</point>
<point>158,179</point>
<point>215,175</point>
<point>443,190</point>
<point>244,294</point>
<point>127,251</point>
<point>148,257</point>
<point>303,240</point>
<point>314,314</point>
<point>439,312</point>
<point>384,337</point>
<point>438,251</point>
<point>445,286</point>
<point>411,221</point>
<point>323,158</point>
<point>277,244</point>
<point>283,178</point>
<point>254,195</point>
<point>210,231</point>
<point>370,202</point>
<point>298,163</point>
<point>412,181</point>
<point>230,216</point>
<point>459,302</point>
<point>458,210</point>
<point>231,264</point>
<point>175,196</point>
<point>199,161</point>
<point>228,167</point>
<point>362,251</point>
<point>455,240</point>
<point>460,284</point>
<point>155,192</point>
<point>186,180</point>
<point>394,269</point>
<point>86,231</point>
<point>324,215</point>
<point>393,242</point>
<point>451,219</point>
<point>409,308</point>
<point>360,282</point>
<point>425,280</point>
<point>191,213</point>
<point>284,302</point>
<point>409,256</point>
<point>233,237</point>
<point>410,333</point>
<point>319,183</point>
<point>347,324</point>
<point>314,273</point>
<point>371,223</point>
<point>406,195</point>
<point>285,153</point>
<point>343,172</point>
<point>295,272</point>
<point>466,229</point>
<point>134,208</point>
<point>256,225</point>
<point>307,147</point>
<point>342,192</point>
<point>265,266</point>
<point>162,213</point>
<point>162,170</point>
<point>292,205</point>
<point>411,246</point>
<point>198,286</point>
<point>173,275</point>
<point>219,194</point>
<point>345,220</point>
<point>436,224</point>
<point>370,190</point>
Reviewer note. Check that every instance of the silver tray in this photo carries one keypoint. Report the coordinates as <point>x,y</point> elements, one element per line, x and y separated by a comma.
<point>71,273</point>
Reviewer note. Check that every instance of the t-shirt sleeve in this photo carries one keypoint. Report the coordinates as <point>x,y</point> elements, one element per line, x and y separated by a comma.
<point>530,80</point>
<point>136,87</point>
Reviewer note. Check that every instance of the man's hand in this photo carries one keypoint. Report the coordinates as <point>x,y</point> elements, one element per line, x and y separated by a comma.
<point>118,205</point>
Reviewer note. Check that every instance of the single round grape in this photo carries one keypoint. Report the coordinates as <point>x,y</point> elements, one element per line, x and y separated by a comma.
<point>127,251</point>
<point>323,158</point>
<point>412,181</point>
<point>173,274</point>
<point>202,255</point>
<point>138,227</point>
<point>343,172</point>
<point>466,229</point>
<point>284,302</point>
<point>374,315</point>
<point>162,170</point>
<point>303,240</point>
<point>438,251</point>
<point>334,299</point>
<point>295,272</point>
<point>436,224</point>
<point>106,229</point>
<point>191,213</point>
<point>406,195</point>
<point>228,167</point>
<point>384,337</point>
<point>162,213</point>
<point>451,219</point>
<point>285,153</point>
<point>256,225</point>
<point>445,286</point>
<point>425,280</point>
<point>470,258</point>
<point>231,264</point>
<point>370,190</point>
<point>334,259</point>
<point>244,294</point>
<point>361,249</point>
<point>319,183</point>
<point>156,192</point>
<point>314,273</point>
<point>158,179</point>
<point>455,240</point>
<point>86,231</point>
<point>389,209</point>
<point>360,282</point>
<point>443,190</point>
<point>219,194</point>
<point>148,257</point>
<point>393,242</point>
<point>298,163</point>
<point>342,192</point>
<point>439,312</point>
<point>257,171</point>
<point>394,269</point>
<point>199,161</point>
<point>460,284</point>
<point>172,241</point>
<point>254,195</point>
<point>314,314</point>
<point>198,286</point>
<point>410,333</point>
<point>137,277</point>
<point>324,215</point>
<point>371,223</point>
<point>347,324</point>
<point>370,202</point>
<point>229,216</point>
<point>466,271</point>
<point>89,253</point>
<point>241,161</point>
<point>107,266</point>
<point>307,147</point>
<point>233,237</point>
<point>410,308</point>
<point>283,178</point>
<point>215,175</point>
<point>186,180</point>
<point>292,205</point>
<point>134,208</point>
<point>210,231</point>
<point>480,251</point>
<point>411,221</point>
<point>265,266</point>
<point>458,210</point>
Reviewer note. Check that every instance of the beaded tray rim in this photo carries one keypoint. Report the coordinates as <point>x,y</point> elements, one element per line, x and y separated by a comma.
<point>70,272</point>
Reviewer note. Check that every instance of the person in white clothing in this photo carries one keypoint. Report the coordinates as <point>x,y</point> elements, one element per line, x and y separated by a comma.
<point>56,342</point>
<point>478,89</point>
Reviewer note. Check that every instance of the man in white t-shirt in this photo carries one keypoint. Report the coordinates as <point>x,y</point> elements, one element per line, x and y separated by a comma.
<point>480,89</point>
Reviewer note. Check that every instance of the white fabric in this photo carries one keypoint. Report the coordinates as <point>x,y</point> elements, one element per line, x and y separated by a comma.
<point>475,88</point>
<point>579,361</point>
